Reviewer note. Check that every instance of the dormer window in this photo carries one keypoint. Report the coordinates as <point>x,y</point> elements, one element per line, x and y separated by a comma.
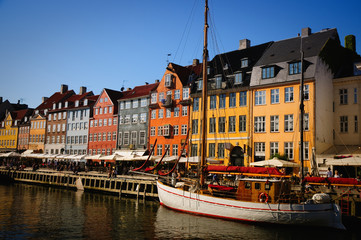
<point>59,105</point>
<point>66,104</point>
<point>294,68</point>
<point>77,103</point>
<point>225,67</point>
<point>16,122</point>
<point>238,79</point>
<point>208,70</point>
<point>168,80</point>
<point>86,102</point>
<point>218,81</point>
<point>36,111</point>
<point>244,62</point>
<point>26,119</point>
<point>45,111</point>
<point>268,72</point>
<point>200,85</point>
<point>54,105</point>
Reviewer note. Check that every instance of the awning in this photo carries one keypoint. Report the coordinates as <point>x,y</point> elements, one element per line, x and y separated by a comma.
<point>97,156</point>
<point>27,153</point>
<point>351,161</point>
<point>195,159</point>
<point>274,162</point>
<point>10,154</point>
<point>114,156</point>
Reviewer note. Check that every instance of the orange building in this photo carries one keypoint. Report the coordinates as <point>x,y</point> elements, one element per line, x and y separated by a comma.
<point>170,109</point>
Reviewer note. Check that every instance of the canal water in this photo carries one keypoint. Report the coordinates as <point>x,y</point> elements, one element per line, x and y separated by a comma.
<point>37,212</point>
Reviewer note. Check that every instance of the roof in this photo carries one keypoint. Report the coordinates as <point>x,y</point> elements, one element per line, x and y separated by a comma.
<point>114,95</point>
<point>289,49</point>
<point>183,72</point>
<point>139,91</point>
<point>55,98</point>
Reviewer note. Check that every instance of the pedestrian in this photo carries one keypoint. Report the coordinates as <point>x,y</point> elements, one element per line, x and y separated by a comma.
<point>329,173</point>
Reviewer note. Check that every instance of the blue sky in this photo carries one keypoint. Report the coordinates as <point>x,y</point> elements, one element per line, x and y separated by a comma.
<point>115,43</point>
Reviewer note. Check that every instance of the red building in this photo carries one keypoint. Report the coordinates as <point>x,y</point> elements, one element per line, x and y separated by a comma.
<point>103,124</point>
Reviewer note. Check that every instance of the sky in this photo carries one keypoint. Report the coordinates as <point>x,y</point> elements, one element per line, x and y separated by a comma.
<point>125,43</point>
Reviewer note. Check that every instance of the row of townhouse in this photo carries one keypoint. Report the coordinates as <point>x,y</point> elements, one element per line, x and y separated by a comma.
<point>253,107</point>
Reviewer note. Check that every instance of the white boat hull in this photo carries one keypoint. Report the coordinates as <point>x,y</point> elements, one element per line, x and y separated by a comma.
<point>324,215</point>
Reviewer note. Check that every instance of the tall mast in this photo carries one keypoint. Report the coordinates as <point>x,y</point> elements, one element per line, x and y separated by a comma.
<point>302,112</point>
<point>204,96</point>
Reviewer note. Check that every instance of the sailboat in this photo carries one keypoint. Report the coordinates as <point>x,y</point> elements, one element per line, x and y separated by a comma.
<point>266,198</point>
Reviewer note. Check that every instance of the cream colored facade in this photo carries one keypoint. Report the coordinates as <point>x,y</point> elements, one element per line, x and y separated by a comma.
<point>8,134</point>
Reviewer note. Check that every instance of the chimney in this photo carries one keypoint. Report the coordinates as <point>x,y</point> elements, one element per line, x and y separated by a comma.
<point>195,62</point>
<point>44,99</point>
<point>244,43</point>
<point>350,42</point>
<point>63,88</point>
<point>157,81</point>
<point>305,32</point>
<point>128,89</point>
<point>146,83</point>
<point>18,102</point>
<point>1,99</point>
<point>82,90</point>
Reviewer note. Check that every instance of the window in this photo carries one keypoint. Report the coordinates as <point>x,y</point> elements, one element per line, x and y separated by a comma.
<point>166,130</point>
<point>211,150</point>
<point>356,123</point>
<point>135,103</point>
<point>95,137</point>
<point>212,125</point>
<point>200,85</point>
<point>218,81</point>
<point>153,114</point>
<point>289,94</point>
<point>176,112</point>
<point>242,123</point>
<point>127,119</point>
<point>221,124</point>
<point>238,78</point>
<point>289,123</point>
<point>104,136</point>
<point>213,102</point>
<point>195,104</point>
<point>232,124</point>
<point>222,100</point>
<point>168,80</point>
<point>167,149</point>
<point>275,96</point>
<point>121,105</point>
<point>259,150</point>
<point>260,98</point>
<point>175,149</point>
<point>177,94</point>
<point>355,95</point>
<point>109,136</point>
<point>273,148</point>
<point>306,121</point>
<point>294,68</point>
<point>260,124</point>
<point>126,138</point>
<point>160,113</point>
<point>153,98</point>
<point>120,138</point>
<point>114,121</point>
<point>143,117</point>
<point>133,137</point>
<point>306,150</point>
<point>221,150</point>
<point>243,98</point>
<point>343,96</point>
<point>306,92</point>
<point>159,149</point>
<point>289,149</point>
<point>143,102</point>
<point>184,129</point>
<point>184,110</point>
<point>175,130</point>
<point>135,118</point>
<point>343,124</point>
<point>194,150</point>
<point>195,126</point>
<point>185,93</point>
<point>160,130</point>
<point>152,131</point>
<point>244,62</point>
<point>100,110</point>
<point>161,96</point>
<point>274,123</point>
<point>232,100</point>
<point>141,137</point>
<point>105,110</point>
<point>127,104</point>
<point>268,72</point>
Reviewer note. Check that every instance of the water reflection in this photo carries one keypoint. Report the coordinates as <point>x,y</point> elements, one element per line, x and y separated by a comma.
<point>35,212</point>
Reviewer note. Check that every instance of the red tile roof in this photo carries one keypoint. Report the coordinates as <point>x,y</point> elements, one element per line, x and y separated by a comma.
<point>139,91</point>
<point>55,98</point>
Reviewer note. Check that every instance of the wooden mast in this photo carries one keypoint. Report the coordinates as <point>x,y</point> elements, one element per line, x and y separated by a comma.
<point>302,113</point>
<point>204,97</point>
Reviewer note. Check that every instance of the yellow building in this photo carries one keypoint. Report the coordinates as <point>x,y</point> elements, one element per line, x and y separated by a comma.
<point>37,133</point>
<point>8,133</point>
<point>228,106</point>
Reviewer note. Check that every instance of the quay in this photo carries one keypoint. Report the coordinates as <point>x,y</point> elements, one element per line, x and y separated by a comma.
<point>141,187</point>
